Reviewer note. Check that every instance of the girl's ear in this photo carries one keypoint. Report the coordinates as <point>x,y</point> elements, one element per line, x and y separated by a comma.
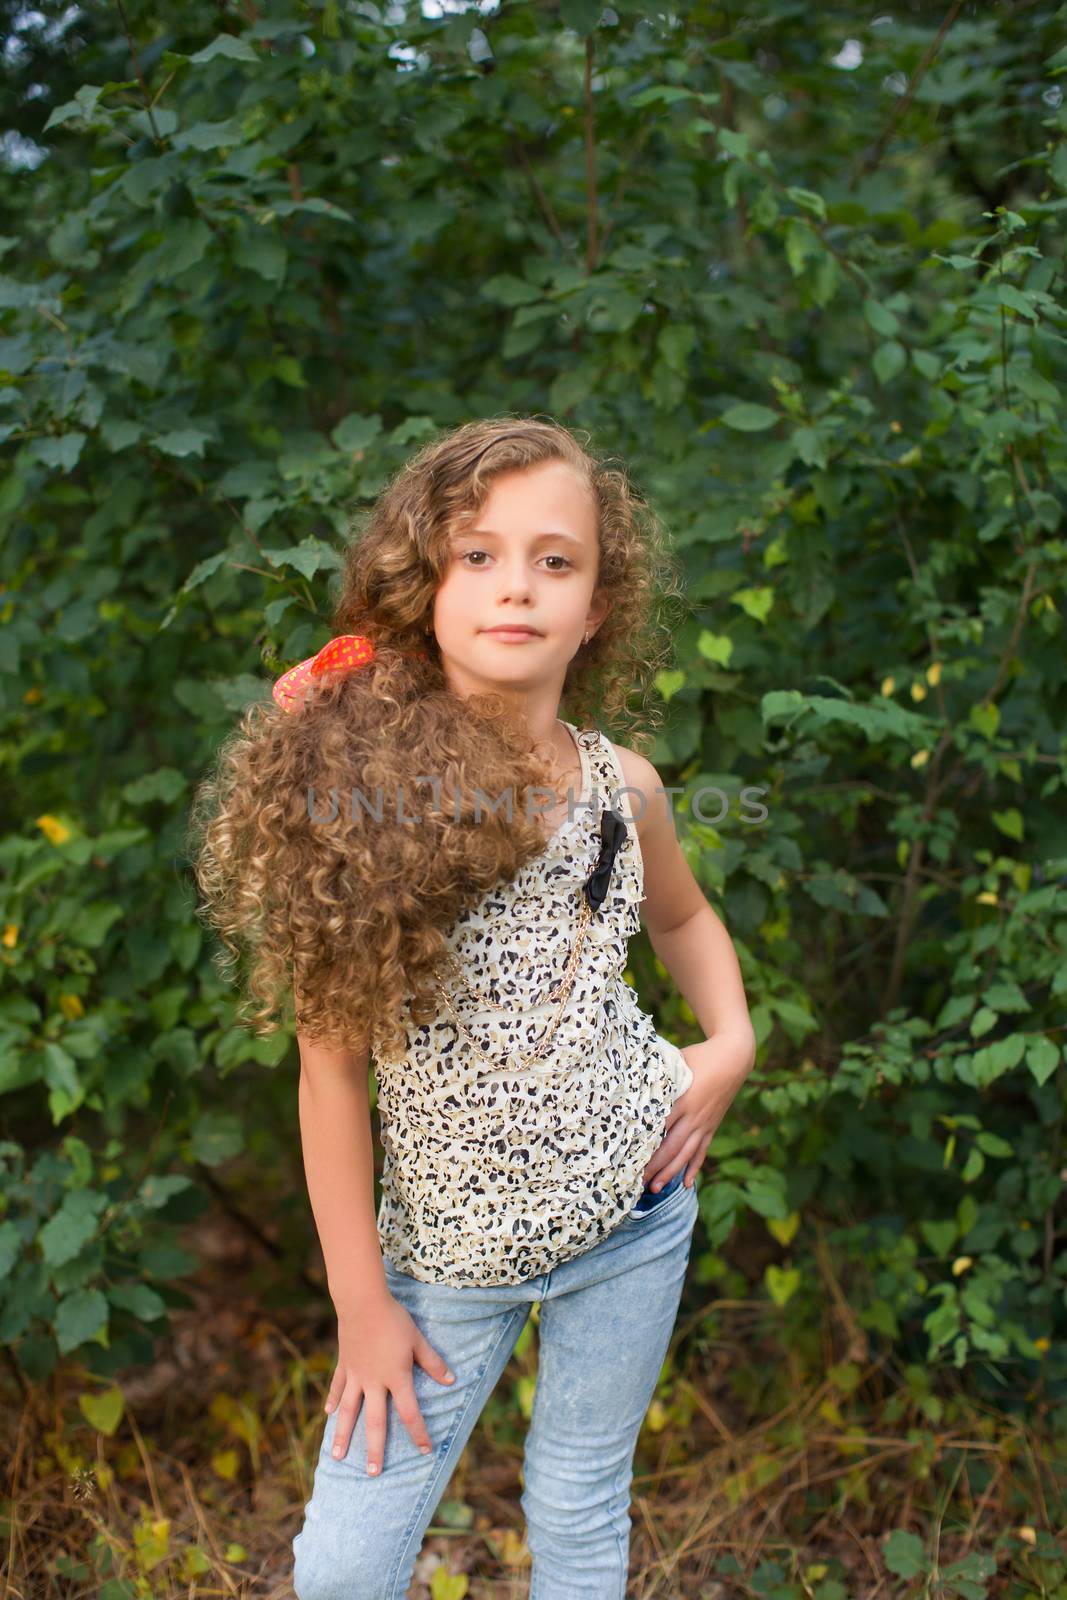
<point>599,606</point>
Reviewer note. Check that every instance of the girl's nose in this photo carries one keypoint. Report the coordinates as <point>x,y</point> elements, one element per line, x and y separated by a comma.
<point>515,584</point>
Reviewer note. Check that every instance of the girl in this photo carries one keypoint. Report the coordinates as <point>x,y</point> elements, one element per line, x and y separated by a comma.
<point>541,1139</point>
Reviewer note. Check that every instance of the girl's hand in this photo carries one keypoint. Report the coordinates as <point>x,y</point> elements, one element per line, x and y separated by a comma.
<point>719,1066</point>
<point>376,1347</point>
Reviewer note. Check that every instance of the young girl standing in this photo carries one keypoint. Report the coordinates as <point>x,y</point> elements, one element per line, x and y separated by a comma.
<point>378,847</point>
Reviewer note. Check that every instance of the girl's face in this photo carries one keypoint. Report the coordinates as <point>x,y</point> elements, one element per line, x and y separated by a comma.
<point>529,561</point>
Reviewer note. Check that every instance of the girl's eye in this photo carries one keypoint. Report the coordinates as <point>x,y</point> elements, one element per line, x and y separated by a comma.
<point>566,563</point>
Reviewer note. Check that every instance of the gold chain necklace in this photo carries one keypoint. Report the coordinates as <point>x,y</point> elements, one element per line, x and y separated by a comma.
<point>559,991</point>
<point>613,832</point>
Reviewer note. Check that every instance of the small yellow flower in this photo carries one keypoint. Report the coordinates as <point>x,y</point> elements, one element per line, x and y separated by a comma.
<point>34,696</point>
<point>987,898</point>
<point>71,1006</point>
<point>55,832</point>
<point>1042,1344</point>
<point>961,1264</point>
<point>933,673</point>
<point>11,936</point>
<point>888,685</point>
<point>918,691</point>
<point>920,758</point>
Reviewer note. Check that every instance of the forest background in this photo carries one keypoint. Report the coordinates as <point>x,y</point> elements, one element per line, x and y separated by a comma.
<point>802,268</point>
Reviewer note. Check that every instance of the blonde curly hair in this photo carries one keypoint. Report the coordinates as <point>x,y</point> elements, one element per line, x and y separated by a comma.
<point>347,920</point>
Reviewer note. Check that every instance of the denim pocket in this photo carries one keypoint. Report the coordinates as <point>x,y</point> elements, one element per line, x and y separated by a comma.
<point>648,1199</point>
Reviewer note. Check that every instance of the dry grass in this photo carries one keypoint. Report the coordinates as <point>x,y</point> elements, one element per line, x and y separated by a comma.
<point>753,1477</point>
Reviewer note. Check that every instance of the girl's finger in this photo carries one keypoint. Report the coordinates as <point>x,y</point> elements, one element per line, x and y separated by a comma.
<point>685,1154</point>
<point>335,1391</point>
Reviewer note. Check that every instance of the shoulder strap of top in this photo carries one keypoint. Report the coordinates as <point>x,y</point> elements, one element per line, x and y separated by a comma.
<point>604,763</point>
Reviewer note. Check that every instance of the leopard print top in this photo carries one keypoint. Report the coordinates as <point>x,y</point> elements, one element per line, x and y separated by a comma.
<point>493,1175</point>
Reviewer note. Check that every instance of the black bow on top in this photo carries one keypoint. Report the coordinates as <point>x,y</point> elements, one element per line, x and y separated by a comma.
<point>612,836</point>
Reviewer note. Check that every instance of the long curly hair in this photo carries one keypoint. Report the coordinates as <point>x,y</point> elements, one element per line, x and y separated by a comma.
<point>346,917</point>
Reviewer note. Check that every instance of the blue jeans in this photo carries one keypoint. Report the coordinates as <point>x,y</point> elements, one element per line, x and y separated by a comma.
<point>605,1323</point>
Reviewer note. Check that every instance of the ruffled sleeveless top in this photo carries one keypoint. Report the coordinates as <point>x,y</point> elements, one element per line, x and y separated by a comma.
<point>495,1175</point>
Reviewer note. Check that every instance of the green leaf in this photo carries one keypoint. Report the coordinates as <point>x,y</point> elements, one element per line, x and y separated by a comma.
<point>756,603</point>
<point>260,252</point>
<point>582,16</point>
<point>182,441</point>
<point>217,1136</point>
<point>1009,822</point>
<point>159,1188</point>
<point>81,1316</point>
<point>66,1232</point>
<point>139,1300</point>
<point>229,45</point>
<point>985,716</point>
<point>668,682</point>
<point>983,1020</point>
<point>940,1236</point>
<point>881,319</point>
<point>1009,296</point>
<point>994,1060</point>
<point>163,783</point>
<point>62,451</point>
<point>889,359</point>
<point>1042,1059</point>
<point>506,290</point>
<point>717,647</point>
<point>356,432</point>
<point>748,417</point>
<point>91,924</point>
<point>1006,996</point>
<point>209,135</point>
<point>904,1554</point>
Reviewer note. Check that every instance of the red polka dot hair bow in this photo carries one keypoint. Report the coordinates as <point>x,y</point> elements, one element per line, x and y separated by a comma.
<point>347,651</point>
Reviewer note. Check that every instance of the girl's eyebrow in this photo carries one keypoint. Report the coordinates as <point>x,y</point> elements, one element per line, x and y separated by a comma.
<point>549,533</point>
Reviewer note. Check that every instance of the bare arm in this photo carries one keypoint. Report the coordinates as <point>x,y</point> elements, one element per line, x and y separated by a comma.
<point>335,1133</point>
<point>378,1339</point>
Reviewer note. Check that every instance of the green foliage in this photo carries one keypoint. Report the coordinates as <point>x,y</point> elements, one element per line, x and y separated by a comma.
<point>823,319</point>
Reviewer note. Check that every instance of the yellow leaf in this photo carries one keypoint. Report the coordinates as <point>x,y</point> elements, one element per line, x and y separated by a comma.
<point>11,935</point>
<point>657,1416</point>
<point>784,1228</point>
<point>71,1006</point>
<point>152,1539</point>
<point>987,898</point>
<point>514,1551</point>
<point>782,1283</point>
<point>961,1264</point>
<point>1042,1344</point>
<point>933,673</point>
<point>446,1585</point>
<point>920,758</point>
<point>1027,1535</point>
<point>34,696</point>
<point>236,1552</point>
<point>918,691</point>
<point>102,1411</point>
<point>226,1463</point>
<point>828,1408</point>
<point>888,685</point>
<point>525,1387</point>
<point>55,832</point>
